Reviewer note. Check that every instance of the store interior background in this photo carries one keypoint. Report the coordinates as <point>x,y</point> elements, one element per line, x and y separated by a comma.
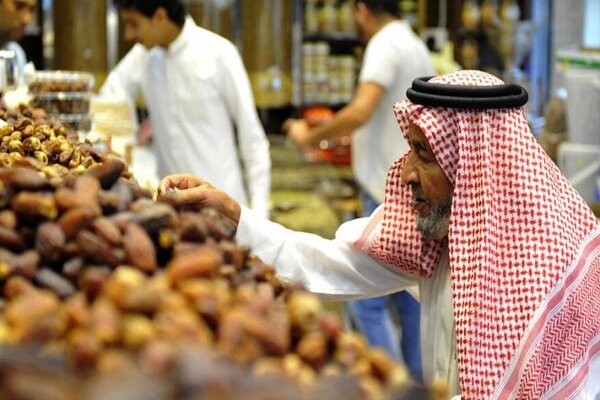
<point>312,189</point>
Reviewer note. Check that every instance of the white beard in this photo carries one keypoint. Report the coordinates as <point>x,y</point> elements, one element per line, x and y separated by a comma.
<point>435,225</point>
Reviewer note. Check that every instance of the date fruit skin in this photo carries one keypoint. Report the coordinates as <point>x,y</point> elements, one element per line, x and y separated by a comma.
<point>35,205</point>
<point>108,230</point>
<point>97,249</point>
<point>50,241</point>
<point>108,172</point>
<point>11,240</point>
<point>48,278</point>
<point>75,220</point>
<point>140,251</point>
<point>202,262</point>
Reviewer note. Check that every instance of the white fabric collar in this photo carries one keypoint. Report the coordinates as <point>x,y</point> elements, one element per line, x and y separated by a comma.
<point>184,37</point>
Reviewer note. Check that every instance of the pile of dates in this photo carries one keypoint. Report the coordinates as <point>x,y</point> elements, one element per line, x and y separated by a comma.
<point>130,294</point>
<point>32,136</point>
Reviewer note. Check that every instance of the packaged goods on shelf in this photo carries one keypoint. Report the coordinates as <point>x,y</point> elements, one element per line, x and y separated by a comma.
<point>327,78</point>
<point>65,95</point>
<point>61,81</point>
<point>62,102</point>
<point>36,139</point>
<point>76,122</point>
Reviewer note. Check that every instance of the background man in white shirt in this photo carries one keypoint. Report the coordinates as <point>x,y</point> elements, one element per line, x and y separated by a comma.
<point>393,57</point>
<point>198,96</point>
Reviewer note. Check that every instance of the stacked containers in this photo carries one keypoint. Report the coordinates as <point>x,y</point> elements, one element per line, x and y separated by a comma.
<point>327,79</point>
<point>65,95</point>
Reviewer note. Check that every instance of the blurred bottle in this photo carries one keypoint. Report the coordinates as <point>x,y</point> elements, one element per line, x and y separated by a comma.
<point>409,11</point>
<point>509,12</point>
<point>328,17</point>
<point>311,18</point>
<point>489,13</point>
<point>345,17</point>
<point>470,16</point>
<point>469,54</point>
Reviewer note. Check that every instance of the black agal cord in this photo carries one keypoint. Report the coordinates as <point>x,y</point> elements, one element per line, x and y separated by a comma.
<point>462,96</point>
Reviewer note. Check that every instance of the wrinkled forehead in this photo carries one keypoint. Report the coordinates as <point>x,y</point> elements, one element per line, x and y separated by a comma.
<point>439,126</point>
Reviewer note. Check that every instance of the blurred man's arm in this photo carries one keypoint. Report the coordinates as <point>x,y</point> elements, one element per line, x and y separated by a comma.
<point>125,80</point>
<point>354,115</point>
<point>253,143</point>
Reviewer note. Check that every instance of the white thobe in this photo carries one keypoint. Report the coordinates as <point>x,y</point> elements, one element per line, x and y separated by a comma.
<point>202,110</point>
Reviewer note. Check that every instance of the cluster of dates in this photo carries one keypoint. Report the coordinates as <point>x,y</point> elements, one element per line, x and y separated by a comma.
<point>59,85</point>
<point>97,273</point>
<point>33,137</point>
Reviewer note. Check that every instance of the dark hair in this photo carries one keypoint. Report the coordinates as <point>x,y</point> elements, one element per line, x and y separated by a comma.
<point>381,6</point>
<point>175,8</point>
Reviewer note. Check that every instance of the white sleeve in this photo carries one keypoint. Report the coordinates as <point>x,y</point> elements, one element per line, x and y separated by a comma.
<point>125,80</point>
<point>253,143</point>
<point>379,64</point>
<point>331,268</point>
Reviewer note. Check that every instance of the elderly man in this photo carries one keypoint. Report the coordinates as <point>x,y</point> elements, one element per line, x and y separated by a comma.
<point>504,250</point>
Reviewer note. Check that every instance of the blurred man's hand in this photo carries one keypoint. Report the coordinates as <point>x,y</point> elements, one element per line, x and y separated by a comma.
<point>298,131</point>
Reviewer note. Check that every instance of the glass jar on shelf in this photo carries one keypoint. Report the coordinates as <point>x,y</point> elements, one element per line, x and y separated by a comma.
<point>470,16</point>
<point>510,13</point>
<point>345,18</point>
<point>489,13</point>
<point>328,17</point>
<point>311,17</point>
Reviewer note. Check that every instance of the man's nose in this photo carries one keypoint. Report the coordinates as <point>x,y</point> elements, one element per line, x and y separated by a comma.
<point>25,17</point>
<point>409,172</point>
<point>129,35</point>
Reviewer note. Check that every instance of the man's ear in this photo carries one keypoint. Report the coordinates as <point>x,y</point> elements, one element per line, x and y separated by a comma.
<point>362,11</point>
<point>360,7</point>
<point>161,14</point>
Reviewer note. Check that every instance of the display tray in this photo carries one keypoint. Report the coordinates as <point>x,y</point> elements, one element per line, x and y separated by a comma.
<point>60,81</point>
<point>62,102</point>
<point>76,122</point>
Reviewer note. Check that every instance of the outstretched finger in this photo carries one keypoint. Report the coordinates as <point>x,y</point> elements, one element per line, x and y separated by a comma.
<point>287,125</point>
<point>177,181</point>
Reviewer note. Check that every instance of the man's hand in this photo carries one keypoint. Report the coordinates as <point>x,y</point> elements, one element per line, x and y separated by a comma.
<point>195,193</point>
<point>298,131</point>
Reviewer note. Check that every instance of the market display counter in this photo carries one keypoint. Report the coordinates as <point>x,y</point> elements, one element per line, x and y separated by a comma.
<point>107,293</point>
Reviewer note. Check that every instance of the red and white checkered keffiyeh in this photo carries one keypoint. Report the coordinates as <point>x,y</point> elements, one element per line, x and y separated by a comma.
<point>516,233</point>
